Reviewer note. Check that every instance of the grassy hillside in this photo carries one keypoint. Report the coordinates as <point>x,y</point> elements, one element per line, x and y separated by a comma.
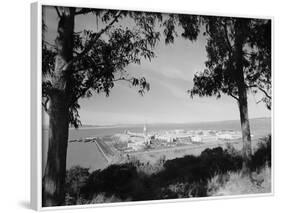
<point>215,172</point>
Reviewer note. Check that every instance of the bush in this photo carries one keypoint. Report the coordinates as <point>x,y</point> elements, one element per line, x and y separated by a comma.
<point>262,155</point>
<point>148,168</point>
<point>116,179</point>
<point>192,169</point>
<point>184,190</point>
<point>76,178</point>
<point>234,183</point>
<point>214,171</point>
<point>123,181</point>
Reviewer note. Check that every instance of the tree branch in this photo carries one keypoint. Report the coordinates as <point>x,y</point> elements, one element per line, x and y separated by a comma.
<point>266,94</point>
<point>84,11</point>
<point>51,45</point>
<point>98,35</point>
<point>227,38</point>
<point>233,96</point>
<point>45,103</point>
<point>130,80</point>
<point>261,89</point>
<point>58,12</point>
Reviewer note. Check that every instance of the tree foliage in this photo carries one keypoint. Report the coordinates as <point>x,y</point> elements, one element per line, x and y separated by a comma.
<point>189,23</point>
<point>100,57</point>
<point>219,77</point>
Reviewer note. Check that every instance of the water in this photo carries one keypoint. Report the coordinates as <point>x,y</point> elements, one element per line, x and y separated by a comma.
<point>87,154</point>
<point>259,127</point>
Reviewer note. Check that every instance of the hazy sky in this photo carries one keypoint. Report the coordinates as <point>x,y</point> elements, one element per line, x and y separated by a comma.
<point>170,75</point>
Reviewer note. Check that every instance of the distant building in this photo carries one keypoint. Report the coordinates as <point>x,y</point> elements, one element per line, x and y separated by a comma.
<point>196,139</point>
<point>165,137</point>
<point>147,139</point>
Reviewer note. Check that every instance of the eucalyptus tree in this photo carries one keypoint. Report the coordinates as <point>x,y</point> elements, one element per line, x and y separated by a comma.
<point>238,61</point>
<point>77,65</point>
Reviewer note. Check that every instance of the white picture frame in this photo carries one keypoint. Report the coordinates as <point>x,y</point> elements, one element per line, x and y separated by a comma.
<point>36,115</point>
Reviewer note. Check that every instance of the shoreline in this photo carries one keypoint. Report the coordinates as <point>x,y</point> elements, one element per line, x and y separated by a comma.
<point>136,125</point>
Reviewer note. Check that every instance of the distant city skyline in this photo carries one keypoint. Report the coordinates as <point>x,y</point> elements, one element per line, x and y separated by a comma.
<point>170,75</point>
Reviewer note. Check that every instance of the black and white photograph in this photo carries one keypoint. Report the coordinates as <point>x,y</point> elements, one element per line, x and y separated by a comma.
<point>149,106</point>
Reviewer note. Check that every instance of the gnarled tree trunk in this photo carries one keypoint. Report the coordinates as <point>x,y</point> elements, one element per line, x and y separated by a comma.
<point>54,176</point>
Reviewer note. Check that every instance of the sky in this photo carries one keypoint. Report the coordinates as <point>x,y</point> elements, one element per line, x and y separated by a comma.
<point>170,75</point>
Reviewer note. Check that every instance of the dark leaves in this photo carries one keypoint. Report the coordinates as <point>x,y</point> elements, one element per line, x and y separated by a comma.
<point>74,115</point>
<point>48,60</point>
<point>99,57</point>
<point>220,76</point>
<point>169,30</point>
<point>190,25</point>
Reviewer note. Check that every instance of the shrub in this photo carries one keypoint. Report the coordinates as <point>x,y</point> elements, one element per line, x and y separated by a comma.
<point>76,178</point>
<point>234,183</point>
<point>115,179</point>
<point>214,172</point>
<point>262,155</point>
<point>148,168</point>
<point>184,190</point>
<point>193,169</point>
<point>123,181</point>
<point>230,149</point>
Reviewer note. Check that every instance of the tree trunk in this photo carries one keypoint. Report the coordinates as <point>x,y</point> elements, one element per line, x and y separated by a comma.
<point>54,176</point>
<point>240,28</point>
<point>245,127</point>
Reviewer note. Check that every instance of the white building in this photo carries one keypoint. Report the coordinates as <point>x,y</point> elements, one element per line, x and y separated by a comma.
<point>196,139</point>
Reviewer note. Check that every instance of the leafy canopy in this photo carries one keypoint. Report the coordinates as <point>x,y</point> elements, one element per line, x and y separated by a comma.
<point>219,76</point>
<point>100,57</point>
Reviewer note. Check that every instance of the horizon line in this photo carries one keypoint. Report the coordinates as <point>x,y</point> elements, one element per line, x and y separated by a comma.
<point>156,123</point>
